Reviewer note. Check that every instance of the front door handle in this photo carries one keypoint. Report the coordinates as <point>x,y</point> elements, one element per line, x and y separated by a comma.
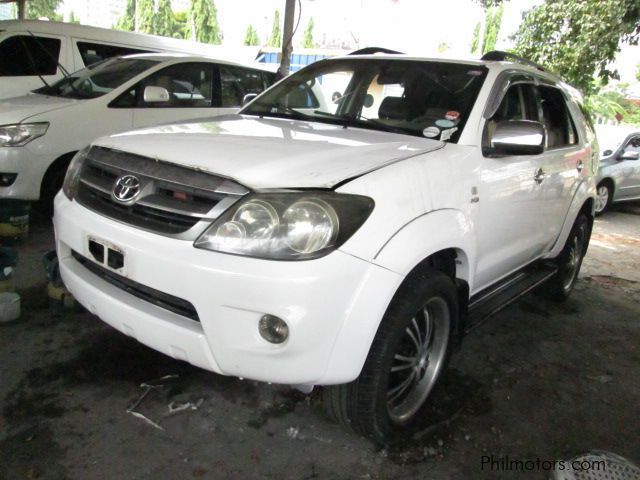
<point>579,166</point>
<point>539,176</point>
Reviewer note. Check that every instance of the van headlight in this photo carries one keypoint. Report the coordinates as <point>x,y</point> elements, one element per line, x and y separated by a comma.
<point>20,134</point>
<point>287,226</point>
<point>72,177</point>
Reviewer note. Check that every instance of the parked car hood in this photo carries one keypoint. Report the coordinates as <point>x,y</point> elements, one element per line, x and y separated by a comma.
<point>19,109</point>
<point>271,153</point>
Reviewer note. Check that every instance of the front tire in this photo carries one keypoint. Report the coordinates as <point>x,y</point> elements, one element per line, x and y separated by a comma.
<point>405,362</point>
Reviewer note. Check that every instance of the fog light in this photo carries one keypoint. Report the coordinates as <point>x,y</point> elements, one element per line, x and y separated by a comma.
<point>7,179</point>
<point>273,329</point>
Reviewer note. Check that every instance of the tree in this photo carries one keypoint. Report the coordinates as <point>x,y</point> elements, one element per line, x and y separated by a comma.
<point>579,38</point>
<point>73,18</point>
<point>43,8</point>
<point>276,37</point>
<point>492,24</point>
<point>127,21</point>
<point>204,18</point>
<point>164,23</point>
<point>181,25</point>
<point>146,16</point>
<point>307,40</point>
<point>251,37</point>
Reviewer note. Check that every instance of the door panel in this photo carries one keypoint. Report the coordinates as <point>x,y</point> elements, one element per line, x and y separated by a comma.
<point>629,180</point>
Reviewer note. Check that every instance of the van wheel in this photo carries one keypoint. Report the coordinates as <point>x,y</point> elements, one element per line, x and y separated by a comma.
<point>406,359</point>
<point>569,261</point>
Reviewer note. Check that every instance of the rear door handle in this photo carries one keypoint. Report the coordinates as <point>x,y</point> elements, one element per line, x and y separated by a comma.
<point>539,176</point>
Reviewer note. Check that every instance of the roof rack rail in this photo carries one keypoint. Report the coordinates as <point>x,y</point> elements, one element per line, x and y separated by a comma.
<point>372,50</point>
<point>500,56</point>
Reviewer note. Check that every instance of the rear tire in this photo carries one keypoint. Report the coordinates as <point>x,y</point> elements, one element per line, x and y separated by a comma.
<point>560,286</point>
<point>405,362</point>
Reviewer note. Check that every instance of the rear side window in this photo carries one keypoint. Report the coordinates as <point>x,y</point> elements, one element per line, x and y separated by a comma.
<point>95,52</point>
<point>236,82</point>
<point>24,55</point>
<point>558,123</point>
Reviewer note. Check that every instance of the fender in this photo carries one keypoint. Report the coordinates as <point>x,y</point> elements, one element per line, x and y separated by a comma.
<point>586,191</point>
<point>430,233</point>
<point>423,236</point>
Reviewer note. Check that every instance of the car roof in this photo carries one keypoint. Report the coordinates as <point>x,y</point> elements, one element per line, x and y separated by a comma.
<point>168,57</point>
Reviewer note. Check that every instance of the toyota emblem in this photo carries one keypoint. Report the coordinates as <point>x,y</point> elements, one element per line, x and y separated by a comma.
<point>126,188</point>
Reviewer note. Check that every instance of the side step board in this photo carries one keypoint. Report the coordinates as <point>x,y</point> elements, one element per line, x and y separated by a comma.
<point>496,297</point>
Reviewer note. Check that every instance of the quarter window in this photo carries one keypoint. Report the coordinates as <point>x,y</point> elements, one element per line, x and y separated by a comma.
<point>24,55</point>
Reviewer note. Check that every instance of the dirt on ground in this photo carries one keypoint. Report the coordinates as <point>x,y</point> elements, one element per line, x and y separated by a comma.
<point>539,381</point>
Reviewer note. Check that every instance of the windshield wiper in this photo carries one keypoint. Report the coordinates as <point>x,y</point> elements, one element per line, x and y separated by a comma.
<point>360,121</point>
<point>292,112</point>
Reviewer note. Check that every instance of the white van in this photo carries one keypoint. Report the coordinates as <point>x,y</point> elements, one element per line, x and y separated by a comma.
<point>30,49</point>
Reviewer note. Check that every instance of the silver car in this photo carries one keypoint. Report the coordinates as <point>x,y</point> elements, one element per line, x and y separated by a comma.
<point>618,177</point>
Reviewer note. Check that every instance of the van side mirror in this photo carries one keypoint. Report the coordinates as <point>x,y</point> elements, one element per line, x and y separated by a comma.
<point>248,97</point>
<point>156,94</point>
<point>630,155</point>
<point>518,137</point>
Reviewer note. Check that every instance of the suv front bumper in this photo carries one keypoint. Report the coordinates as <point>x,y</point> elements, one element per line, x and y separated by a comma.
<point>332,305</point>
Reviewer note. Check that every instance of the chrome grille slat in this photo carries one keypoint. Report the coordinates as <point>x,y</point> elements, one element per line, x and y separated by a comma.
<point>172,200</point>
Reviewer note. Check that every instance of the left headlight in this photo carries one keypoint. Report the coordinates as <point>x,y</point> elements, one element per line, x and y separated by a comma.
<point>287,226</point>
<point>72,177</point>
<point>21,134</point>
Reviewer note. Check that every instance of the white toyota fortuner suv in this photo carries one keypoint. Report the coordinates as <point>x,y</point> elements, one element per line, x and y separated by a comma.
<point>343,230</point>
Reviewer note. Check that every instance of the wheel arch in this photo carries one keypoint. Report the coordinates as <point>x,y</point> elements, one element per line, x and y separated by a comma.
<point>62,162</point>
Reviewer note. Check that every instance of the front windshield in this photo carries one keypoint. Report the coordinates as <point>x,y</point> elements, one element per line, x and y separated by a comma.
<point>98,79</point>
<point>423,98</point>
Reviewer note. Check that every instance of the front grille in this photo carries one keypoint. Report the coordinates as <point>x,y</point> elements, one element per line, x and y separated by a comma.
<point>156,297</point>
<point>171,199</point>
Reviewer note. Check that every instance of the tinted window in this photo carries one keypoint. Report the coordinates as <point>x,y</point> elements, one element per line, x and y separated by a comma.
<point>518,104</point>
<point>237,82</point>
<point>94,52</point>
<point>26,55</point>
<point>633,145</point>
<point>556,118</point>
<point>189,85</point>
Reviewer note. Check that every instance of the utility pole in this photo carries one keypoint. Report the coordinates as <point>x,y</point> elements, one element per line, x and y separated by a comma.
<point>287,40</point>
<point>21,9</point>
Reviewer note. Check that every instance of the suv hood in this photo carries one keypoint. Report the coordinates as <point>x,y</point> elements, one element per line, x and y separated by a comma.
<point>19,109</point>
<point>272,153</point>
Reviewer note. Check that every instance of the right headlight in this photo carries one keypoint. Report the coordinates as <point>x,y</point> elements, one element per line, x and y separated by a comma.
<point>287,226</point>
<point>72,177</point>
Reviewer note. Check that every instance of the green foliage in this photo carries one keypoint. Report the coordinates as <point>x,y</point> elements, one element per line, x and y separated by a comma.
<point>43,8</point>
<point>164,22</point>
<point>612,104</point>
<point>251,37</point>
<point>276,35</point>
<point>578,38</point>
<point>204,15</point>
<point>443,47</point>
<point>127,21</point>
<point>638,72</point>
<point>181,25</point>
<point>475,40</point>
<point>307,40</point>
<point>146,16</point>
<point>493,23</point>
<point>73,18</point>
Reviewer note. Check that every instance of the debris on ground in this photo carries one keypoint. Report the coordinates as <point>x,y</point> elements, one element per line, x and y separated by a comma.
<point>148,387</point>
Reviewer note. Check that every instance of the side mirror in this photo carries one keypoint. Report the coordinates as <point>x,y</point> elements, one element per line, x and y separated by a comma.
<point>156,94</point>
<point>518,137</point>
<point>248,97</point>
<point>629,156</point>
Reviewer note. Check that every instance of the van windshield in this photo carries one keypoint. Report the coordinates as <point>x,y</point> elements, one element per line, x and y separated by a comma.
<point>98,79</point>
<point>414,97</point>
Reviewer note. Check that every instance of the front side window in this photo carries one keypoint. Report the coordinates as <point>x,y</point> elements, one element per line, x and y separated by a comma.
<point>24,55</point>
<point>96,52</point>
<point>189,85</point>
<point>421,98</point>
<point>561,131</point>
<point>518,103</point>
<point>633,145</point>
<point>98,79</point>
